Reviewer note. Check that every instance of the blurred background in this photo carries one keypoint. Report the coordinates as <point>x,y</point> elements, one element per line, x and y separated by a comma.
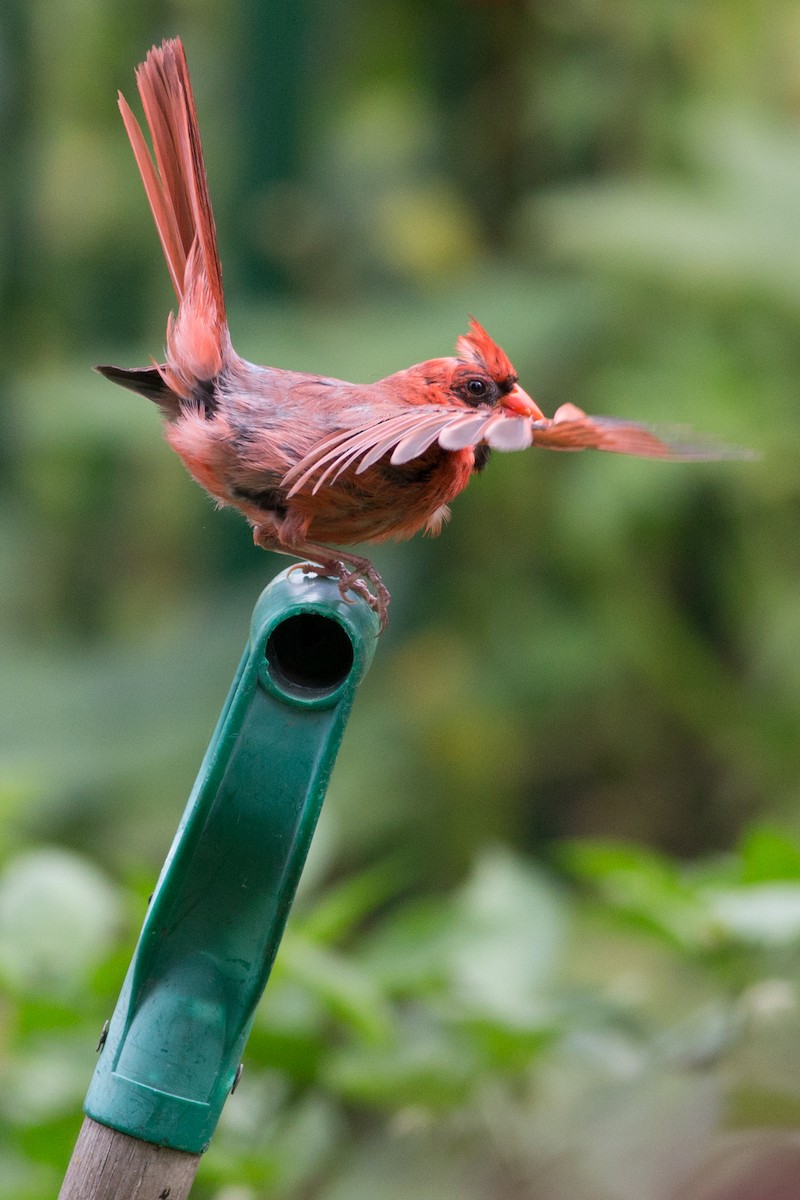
<point>547,943</point>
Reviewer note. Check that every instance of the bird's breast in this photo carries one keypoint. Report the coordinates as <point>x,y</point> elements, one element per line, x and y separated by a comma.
<point>386,501</point>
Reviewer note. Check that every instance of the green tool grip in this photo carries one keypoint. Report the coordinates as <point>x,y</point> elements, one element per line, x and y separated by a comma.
<point>217,915</point>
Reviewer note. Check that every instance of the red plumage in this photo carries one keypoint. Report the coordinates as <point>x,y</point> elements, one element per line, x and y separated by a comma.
<point>313,462</point>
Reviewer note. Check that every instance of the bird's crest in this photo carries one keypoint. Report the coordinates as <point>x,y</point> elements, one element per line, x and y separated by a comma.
<point>477,347</point>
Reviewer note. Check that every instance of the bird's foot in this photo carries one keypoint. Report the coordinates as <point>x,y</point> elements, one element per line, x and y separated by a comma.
<point>365,581</point>
<point>354,575</point>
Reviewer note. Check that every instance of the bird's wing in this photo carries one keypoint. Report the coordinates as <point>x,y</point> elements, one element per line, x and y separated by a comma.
<point>405,436</point>
<point>410,433</point>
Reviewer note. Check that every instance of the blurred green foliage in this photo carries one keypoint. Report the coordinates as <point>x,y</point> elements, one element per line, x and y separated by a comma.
<point>595,664</point>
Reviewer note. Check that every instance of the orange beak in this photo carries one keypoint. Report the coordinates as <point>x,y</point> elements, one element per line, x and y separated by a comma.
<point>519,402</point>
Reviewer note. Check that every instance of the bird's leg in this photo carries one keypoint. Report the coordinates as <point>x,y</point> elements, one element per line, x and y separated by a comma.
<point>354,573</point>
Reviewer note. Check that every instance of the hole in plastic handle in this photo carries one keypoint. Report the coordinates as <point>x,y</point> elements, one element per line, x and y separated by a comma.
<point>309,653</point>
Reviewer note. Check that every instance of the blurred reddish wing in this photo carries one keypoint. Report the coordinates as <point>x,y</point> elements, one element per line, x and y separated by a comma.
<point>602,433</point>
<point>573,429</point>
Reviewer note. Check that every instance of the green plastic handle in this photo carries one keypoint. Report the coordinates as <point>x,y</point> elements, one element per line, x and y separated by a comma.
<point>217,915</point>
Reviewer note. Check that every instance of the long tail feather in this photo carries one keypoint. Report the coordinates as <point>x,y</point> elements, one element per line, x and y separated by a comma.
<point>177,191</point>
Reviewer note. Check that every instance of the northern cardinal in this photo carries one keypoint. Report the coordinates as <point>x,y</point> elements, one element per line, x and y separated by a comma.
<point>314,462</point>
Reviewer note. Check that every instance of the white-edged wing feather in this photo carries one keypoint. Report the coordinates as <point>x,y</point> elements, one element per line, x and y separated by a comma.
<point>406,436</point>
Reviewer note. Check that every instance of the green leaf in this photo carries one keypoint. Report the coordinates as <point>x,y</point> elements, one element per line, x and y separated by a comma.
<point>426,1065</point>
<point>346,990</point>
<point>59,914</point>
<point>509,1047</point>
<point>337,911</point>
<point>644,886</point>
<point>511,935</point>
<point>47,1080</point>
<point>409,952</point>
<point>769,854</point>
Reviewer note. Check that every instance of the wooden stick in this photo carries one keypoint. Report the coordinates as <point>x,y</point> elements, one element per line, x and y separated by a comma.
<point>109,1165</point>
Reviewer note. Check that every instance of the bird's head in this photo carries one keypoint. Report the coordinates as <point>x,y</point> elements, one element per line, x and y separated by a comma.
<point>480,375</point>
<point>484,375</point>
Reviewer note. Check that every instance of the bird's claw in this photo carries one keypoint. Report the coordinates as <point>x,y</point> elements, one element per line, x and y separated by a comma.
<point>358,579</point>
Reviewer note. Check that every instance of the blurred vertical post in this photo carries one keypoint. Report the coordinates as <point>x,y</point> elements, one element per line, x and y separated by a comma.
<point>171,1053</point>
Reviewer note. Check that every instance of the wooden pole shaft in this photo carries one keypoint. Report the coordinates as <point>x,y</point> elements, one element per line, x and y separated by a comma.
<point>109,1165</point>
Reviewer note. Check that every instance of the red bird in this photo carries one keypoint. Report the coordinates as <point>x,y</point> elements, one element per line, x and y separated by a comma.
<point>312,462</point>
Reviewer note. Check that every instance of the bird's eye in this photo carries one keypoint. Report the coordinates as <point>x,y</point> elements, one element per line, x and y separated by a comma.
<point>477,388</point>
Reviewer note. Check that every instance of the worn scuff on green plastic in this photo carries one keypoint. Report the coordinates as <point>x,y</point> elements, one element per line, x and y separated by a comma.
<point>219,909</point>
